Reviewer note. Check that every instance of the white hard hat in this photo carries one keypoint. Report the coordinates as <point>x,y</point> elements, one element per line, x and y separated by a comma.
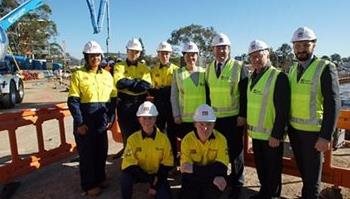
<point>204,113</point>
<point>304,34</point>
<point>221,40</point>
<point>147,109</point>
<point>134,44</point>
<point>164,46</point>
<point>190,47</point>
<point>257,45</point>
<point>92,47</point>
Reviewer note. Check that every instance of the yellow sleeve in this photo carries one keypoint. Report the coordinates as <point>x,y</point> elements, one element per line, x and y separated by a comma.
<point>185,150</point>
<point>147,74</point>
<point>168,159</point>
<point>222,155</point>
<point>74,90</point>
<point>128,157</point>
<point>118,73</point>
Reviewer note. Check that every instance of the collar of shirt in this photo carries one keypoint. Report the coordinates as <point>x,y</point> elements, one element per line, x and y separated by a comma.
<point>145,135</point>
<point>164,65</point>
<point>212,136</point>
<point>131,63</point>
<point>306,64</point>
<point>262,71</point>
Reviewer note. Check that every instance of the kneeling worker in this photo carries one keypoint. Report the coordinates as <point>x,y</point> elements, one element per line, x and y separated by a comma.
<point>204,158</point>
<point>147,157</point>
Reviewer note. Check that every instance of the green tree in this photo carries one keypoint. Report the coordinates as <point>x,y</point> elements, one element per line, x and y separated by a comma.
<point>200,35</point>
<point>31,34</point>
<point>282,57</point>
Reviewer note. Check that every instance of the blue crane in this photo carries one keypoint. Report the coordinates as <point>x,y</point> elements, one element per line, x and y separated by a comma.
<point>11,18</point>
<point>97,24</point>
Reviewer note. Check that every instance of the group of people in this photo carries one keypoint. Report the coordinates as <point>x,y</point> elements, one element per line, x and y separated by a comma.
<point>208,108</point>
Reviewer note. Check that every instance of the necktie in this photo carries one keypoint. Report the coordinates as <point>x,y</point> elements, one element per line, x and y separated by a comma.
<point>218,69</point>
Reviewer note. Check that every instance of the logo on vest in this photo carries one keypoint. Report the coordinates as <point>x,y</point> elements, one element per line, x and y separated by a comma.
<point>305,81</point>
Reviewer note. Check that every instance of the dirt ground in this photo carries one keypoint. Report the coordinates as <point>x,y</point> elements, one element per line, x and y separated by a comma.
<point>61,180</point>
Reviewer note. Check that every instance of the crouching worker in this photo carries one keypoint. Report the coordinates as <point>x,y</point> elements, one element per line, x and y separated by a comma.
<point>147,156</point>
<point>204,158</point>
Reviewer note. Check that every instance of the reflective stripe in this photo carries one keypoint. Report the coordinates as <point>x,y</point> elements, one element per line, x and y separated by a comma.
<point>259,129</point>
<point>312,121</point>
<point>313,94</point>
<point>265,98</point>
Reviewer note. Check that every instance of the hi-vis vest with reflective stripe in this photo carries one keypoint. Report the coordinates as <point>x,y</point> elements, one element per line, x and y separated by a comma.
<point>224,93</point>
<point>190,95</point>
<point>260,108</point>
<point>306,97</point>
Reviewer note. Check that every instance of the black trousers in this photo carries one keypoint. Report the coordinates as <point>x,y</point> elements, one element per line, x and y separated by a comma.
<point>127,119</point>
<point>268,163</point>
<point>234,136</point>
<point>165,122</point>
<point>92,149</point>
<point>308,159</point>
<point>127,182</point>
<point>194,187</point>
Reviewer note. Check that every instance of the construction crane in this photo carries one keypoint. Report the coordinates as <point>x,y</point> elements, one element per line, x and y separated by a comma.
<point>97,24</point>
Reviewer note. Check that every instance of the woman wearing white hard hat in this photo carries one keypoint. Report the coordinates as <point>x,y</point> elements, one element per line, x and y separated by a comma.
<point>204,158</point>
<point>133,80</point>
<point>147,156</point>
<point>268,99</point>
<point>314,109</point>
<point>162,74</point>
<point>91,101</point>
<point>187,89</point>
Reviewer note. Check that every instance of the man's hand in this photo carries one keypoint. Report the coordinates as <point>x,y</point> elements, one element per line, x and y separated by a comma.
<point>322,145</point>
<point>273,142</point>
<point>186,168</point>
<point>81,130</point>
<point>178,120</point>
<point>220,182</point>
<point>241,121</point>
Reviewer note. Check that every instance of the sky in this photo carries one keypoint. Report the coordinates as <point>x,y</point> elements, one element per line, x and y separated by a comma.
<point>272,21</point>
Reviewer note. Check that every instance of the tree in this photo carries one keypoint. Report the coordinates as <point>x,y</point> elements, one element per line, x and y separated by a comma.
<point>31,34</point>
<point>282,57</point>
<point>198,34</point>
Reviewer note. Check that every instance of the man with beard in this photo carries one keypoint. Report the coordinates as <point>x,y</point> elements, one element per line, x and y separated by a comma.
<point>314,109</point>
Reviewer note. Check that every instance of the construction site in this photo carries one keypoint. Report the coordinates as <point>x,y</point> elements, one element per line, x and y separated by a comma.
<point>38,153</point>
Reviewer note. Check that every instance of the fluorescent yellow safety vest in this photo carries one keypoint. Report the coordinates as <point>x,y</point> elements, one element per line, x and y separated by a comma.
<point>260,108</point>
<point>190,95</point>
<point>306,97</point>
<point>224,91</point>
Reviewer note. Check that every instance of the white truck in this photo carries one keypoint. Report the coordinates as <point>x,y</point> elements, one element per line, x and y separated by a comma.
<point>11,84</point>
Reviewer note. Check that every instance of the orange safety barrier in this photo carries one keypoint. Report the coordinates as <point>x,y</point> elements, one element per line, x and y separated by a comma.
<point>337,176</point>
<point>18,165</point>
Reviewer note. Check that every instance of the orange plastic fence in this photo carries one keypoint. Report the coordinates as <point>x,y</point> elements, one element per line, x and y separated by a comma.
<point>19,165</point>
<point>337,176</point>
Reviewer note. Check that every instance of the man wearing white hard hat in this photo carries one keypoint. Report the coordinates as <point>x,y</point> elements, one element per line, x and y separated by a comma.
<point>133,80</point>
<point>314,109</point>
<point>227,81</point>
<point>147,157</point>
<point>162,74</point>
<point>91,101</point>
<point>187,90</point>
<point>204,158</point>
<point>268,101</point>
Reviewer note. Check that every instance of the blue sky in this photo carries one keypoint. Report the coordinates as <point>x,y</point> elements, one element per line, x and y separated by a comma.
<point>243,21</point>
